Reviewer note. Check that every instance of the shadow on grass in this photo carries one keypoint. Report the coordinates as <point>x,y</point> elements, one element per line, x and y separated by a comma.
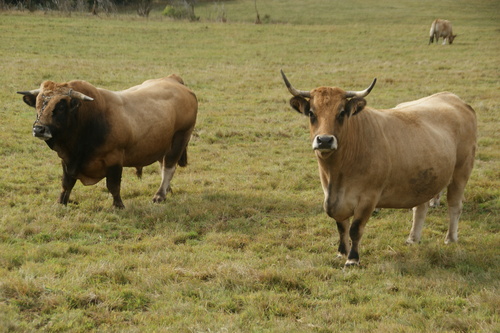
<point>218,211</point>
<point>426,260</point>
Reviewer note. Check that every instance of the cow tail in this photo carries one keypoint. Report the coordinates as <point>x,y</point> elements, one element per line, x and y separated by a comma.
<point>138,172</point>
<point>183,161</point>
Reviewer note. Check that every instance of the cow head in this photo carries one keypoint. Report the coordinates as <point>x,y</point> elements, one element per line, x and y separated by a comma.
<point>55,104</point>
<point>451,38</point>
<point>328,109</point>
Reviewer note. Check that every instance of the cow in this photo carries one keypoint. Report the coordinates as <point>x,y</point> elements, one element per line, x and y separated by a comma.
<point>395,158</point>
<point>441,28</point>
<point>96,132</point>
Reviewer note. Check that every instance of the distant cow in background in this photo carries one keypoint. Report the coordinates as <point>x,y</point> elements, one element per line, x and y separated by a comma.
<point>441,28</point>
<point>96,132</point>
<point>397,158</point>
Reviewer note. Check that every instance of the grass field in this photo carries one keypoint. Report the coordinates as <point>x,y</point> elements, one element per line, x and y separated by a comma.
<point>243,245</point>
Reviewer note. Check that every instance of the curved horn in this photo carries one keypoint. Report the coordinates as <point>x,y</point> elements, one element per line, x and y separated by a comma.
<point>30,92</point>
<point>362,93</point>
<point>79,95</point>
<point>292,90</point>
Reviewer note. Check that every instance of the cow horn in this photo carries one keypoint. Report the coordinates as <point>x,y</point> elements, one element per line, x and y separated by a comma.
<point>362,93</point>
<point>30,92</point>
<point>294,91</point>
<point>79,95</point>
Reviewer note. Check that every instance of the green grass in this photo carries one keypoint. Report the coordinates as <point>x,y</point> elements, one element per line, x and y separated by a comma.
<point>243,244</point>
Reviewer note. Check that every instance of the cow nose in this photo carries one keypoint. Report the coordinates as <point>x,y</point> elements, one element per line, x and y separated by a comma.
<point>325,142</point>
<point>41,132</point>
<point>38,130</point>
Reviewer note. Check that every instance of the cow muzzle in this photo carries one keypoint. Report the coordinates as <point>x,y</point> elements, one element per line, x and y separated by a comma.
<point>324,143</point>
<point>41,132</point>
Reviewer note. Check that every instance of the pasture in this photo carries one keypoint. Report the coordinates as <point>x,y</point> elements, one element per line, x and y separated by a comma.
<point>243,244</point>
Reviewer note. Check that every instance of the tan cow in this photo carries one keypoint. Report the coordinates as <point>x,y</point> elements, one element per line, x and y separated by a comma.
<point>441,28</point>
<point>97,132</point>
<point>396,158</point>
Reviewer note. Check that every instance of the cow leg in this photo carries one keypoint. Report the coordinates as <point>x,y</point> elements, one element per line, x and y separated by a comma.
<point>167,173</point>
<point>170,160</point>
<point>68,183</point>
<point>345,244</point>
<point>356,232</point>
<point>360,219</point>
<point>419,213</point>
<point>113,182</point>
<point>455,196</point>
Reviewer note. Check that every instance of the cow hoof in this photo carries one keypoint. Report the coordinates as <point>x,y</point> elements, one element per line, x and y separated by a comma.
<point>158,199</point>
<point>411,241</point>
<point>70,202</point>
<point>450,240</point>
<point>351,263</point>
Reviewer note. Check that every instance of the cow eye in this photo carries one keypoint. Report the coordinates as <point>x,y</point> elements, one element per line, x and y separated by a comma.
<point>312,116</point>
<point>60,107</point>
<point>341,116</point>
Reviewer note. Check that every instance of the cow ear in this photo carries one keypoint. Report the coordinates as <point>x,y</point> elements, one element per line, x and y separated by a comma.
<point>355,105</point>
<point>30,100</point>
<point>300,104</point>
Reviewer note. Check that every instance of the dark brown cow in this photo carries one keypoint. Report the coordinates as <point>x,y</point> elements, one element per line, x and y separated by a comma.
<point>396,158</point>
<point>97,132</point>
<point>441,28</point>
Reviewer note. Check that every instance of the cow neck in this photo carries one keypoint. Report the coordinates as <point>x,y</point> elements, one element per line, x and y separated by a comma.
<point>355,144</point>
<point>87,133</point>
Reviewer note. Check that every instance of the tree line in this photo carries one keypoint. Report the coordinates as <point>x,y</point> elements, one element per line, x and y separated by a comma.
<point>96,7</point>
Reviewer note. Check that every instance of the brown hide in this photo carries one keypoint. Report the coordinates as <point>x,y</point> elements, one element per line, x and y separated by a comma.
<point>441,28</point>
<point>144,120</point>
<point>402,157</point>
<point>395,158</point>
<point>131,128</point>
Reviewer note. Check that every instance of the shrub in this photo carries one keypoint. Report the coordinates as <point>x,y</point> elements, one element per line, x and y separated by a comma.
<point>180,10</point>
<point>174,12</point>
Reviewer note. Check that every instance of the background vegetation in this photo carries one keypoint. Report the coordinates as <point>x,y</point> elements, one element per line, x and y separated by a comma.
<point>243,245</point>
